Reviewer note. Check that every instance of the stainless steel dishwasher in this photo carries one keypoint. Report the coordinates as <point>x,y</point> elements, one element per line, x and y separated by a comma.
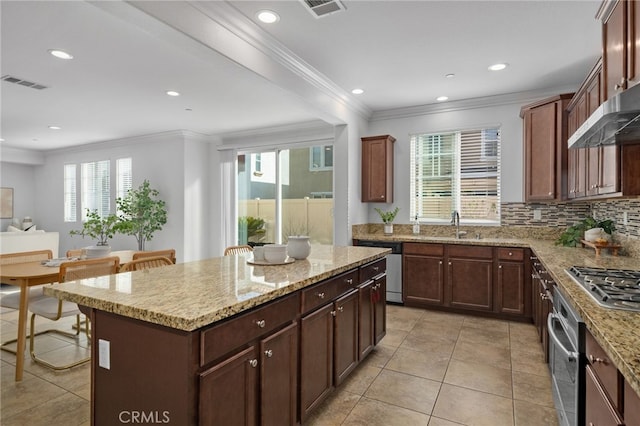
<point>394,267</point>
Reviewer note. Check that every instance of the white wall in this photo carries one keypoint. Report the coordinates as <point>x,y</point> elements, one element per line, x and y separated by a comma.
<point>21,178</point>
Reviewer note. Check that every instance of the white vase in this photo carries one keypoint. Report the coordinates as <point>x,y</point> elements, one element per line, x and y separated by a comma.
<point>299,247</point>
<point>388,228</point>
<point>94,252</point>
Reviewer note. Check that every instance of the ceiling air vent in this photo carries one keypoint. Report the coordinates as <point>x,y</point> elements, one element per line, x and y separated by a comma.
<point>320,8</point>
<point>21,82</point>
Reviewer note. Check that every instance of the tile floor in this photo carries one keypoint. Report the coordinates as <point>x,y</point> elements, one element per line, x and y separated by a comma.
<point>432,368</point>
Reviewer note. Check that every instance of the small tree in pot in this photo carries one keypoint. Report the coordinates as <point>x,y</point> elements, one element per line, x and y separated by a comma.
<point>141,213</point>
<point>99,228</point>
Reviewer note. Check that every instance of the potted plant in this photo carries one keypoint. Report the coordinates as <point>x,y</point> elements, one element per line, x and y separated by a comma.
<point>387,219</point>
<point>574,234</point>
<point>100,228</point>
<point>141,213</point>
<point>250,229</point>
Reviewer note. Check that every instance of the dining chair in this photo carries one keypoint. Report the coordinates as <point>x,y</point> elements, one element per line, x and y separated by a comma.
<point>145,263</point>
<point>237,250</point>
<point>12,300</point>
<point>169,253</point>
<point>54,309</point>
<point>74,253</point>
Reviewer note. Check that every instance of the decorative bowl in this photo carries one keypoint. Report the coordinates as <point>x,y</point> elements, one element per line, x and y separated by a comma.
<point>275,253</point>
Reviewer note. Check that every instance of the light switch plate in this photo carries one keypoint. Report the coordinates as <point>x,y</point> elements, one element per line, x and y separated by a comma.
<point>537,214</point>
<point>104,354</point>
<point>625,218</point>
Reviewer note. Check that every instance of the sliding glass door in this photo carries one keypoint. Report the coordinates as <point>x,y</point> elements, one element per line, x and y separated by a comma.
<point>285,192</point>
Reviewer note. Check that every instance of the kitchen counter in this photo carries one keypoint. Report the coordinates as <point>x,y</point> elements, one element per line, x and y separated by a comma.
<point>617,331</point>
<point>188,296</point>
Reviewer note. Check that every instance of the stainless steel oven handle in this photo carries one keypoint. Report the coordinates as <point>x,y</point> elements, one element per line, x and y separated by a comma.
<point>571,355</point>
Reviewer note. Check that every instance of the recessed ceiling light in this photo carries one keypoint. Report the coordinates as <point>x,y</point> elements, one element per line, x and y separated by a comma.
<point>450,75</point>
<point>173,93</point>
<point>357,91</point>
<point>267,16</point>
<point>442,98</point>
<point>188,109</point>
<point>497,67</point>
<point>60,54</point>
<point>55,127</point>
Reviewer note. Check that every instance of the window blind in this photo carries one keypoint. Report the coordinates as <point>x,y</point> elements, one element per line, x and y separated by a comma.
<point>457,170</point>
<point>70,194</point>
<point>96,187</point>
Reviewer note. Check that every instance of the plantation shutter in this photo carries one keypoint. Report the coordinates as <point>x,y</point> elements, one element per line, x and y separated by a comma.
<point>479,184</point>
<point>70,193</point>
<point>95,184</point>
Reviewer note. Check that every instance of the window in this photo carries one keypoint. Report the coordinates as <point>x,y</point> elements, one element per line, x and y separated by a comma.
<point>70,194</point>
<point>321,158</point>
<point>94,189</point>
<point>457,170</point>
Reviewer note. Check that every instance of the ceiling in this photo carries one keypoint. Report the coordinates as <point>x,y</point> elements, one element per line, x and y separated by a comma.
<point>398,52</point>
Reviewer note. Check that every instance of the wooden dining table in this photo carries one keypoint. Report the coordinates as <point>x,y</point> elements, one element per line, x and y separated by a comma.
<point>28,274</point>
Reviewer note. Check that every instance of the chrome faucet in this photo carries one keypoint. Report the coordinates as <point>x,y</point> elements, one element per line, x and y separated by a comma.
<point>455,220</point>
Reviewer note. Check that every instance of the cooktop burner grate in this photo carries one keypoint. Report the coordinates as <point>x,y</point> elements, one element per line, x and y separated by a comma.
<point>612,288</point>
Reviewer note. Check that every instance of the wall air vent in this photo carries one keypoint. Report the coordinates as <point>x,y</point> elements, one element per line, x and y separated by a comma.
<point>320,8</point>
<point>21,82</point>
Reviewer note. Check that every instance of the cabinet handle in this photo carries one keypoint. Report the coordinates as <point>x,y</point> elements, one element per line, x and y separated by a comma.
<point>333,313</point>
<point>550,193</point>
<point>596,360</point>
<point>268,353</point>
<point>253,363</point>
<point>499,266</point>
<point>349,281</point>
<point>382,197</point>
<point>440,262</point>
<point>449,263</point>
<point>510,254</point>
<point>340,308</point>
<point>321,295</point>
<point>376,268</point>
<point>261,323</point>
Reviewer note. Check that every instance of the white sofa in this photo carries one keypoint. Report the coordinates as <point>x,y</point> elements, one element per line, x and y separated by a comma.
<point>16,242</point>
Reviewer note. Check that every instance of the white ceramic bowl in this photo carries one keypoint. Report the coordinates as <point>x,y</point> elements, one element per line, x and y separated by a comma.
<point>594,234</point>
<point>275,253</point>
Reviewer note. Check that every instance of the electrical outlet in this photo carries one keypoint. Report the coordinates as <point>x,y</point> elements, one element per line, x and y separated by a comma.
<point>537,214</point>
<point>625,218</point>
<point>104,354</point>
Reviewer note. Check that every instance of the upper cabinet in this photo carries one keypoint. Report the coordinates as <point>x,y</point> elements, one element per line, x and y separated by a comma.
<point>621,45</point>
<point>377,169</point>
<point>545,143</point>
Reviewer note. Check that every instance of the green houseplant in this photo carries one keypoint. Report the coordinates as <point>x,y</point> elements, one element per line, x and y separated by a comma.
<point>250,229</point>
<point>141,213</point>
<point>99,228</point>
<point>572,236</point>
<point>387,218</point>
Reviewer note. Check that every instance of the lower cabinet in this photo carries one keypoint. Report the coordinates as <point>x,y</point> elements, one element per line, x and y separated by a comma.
<point>259,382</point>
<point>512,288</point>
<point>345,342</point>
<point>470,277</point>
<point>372,314</point>
<point>423,274</point>
<point>599,411</point>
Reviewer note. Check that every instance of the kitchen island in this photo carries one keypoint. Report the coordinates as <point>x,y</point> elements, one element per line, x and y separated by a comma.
<point>210,341</point>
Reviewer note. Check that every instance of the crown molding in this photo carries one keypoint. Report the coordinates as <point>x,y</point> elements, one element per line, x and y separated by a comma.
<point>316,131</point>
<point>520,98</point>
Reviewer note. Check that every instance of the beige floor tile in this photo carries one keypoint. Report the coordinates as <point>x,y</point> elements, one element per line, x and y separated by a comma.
<point>404,390</point>
<point>400,324</point>
<point>67,409</point>
<point>418,363</point>
<point>379,356</point>
<point>378,413</point>
<point>479,376</point>
<point>436,421</point>
<point>470,407</point>
<point>529,362</point>
<point>404,313</point>
<point>393,338</point>
<point>360,379</point>
<point>496,356</point>
<point>486,324</point>
<point>77,379</point>
<point>441,346</point>
<point>442,317</point>
<point>334,410</point>
<point>23,396</point>
<point>532,388</point>
<point>432,329</point>
<point>65,355</point>
<point>528,414</point>
<point>487,336</point>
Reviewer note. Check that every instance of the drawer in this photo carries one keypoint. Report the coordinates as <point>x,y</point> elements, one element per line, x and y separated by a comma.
<point>346,282</point>
<point>372,269</point>
<point>603,368</point>
<point>422,248</point>
<point>319,294</point>
<point>235,332</point>
<point>516,254</point>
<point>475,252</point>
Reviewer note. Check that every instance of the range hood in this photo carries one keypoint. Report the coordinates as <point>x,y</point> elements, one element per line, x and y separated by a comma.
<point>615,122</point>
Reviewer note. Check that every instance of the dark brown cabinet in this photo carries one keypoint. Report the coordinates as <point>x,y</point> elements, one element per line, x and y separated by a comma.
<point>379,292</point>
<point>377,169</point>
<point>470,277</point>
<point>423,274</point>
<point>511,284</point>
<point>371,308</point>
<point>545,143</point>
<point>631,406</point>
<point>345,342</point>
<point>599,411</point>
<point>542,302</point>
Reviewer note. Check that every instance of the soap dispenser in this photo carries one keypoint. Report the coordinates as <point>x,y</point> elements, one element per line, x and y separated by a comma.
<point>416,226</point>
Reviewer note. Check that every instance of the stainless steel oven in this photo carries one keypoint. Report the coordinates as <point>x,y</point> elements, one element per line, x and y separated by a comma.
<point>567,361</point>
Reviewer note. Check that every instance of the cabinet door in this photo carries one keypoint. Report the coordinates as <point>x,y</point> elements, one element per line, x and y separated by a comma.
<point>593,170</point>
<point>423,280</point>
<point>228,391</point>
<point>365,314</point>
<point>345,341</point>
<point>377,169</point>
<point>614,61</point>
<point>609,167</point>
<point>316,358</point>
<point>470,283</point>
<point>577,179</point>
<point>279,377</point>
<point>379,309</point>
<point>599,411</point>
<point>633,35</point>
<point>511,288</point>
<point>540,144</point>
<point>631,406</point>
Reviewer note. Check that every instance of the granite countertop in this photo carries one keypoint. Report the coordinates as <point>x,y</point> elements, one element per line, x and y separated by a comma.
<point>617,331</point>
<point>191,295</point>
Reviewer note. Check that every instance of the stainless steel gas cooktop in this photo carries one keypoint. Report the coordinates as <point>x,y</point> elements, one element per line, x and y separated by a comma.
<point>611,288</point>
